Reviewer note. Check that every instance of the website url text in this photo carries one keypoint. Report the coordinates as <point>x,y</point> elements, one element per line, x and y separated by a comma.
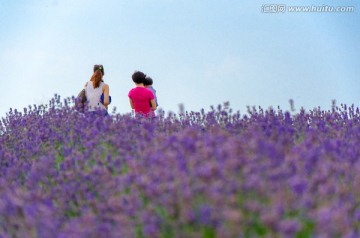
<point>282,8</point>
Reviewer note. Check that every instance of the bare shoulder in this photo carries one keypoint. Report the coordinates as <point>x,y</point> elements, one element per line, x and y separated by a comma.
<point>105,86</point>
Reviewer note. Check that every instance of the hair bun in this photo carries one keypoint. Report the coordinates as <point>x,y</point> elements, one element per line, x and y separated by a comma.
<point>99,67</point>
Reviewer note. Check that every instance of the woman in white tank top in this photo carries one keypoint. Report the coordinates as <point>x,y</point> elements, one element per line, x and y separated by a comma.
<point>95,88</point>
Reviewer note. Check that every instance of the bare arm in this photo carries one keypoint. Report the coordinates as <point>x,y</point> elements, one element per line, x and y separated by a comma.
<point>106,92</point>
<point>153,104</point>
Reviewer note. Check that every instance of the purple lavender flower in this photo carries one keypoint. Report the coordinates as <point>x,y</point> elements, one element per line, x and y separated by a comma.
<point>267,173</point>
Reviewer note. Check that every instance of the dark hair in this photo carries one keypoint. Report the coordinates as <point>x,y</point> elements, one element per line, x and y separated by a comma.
<point>99,67</point>
<point>148,81</point>
<point>138,77</point>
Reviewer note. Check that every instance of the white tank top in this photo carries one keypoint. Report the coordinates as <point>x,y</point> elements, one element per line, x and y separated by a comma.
<point>93,96</point>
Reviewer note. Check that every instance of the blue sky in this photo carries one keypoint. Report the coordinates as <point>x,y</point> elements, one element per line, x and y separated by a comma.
<point>199,53</point>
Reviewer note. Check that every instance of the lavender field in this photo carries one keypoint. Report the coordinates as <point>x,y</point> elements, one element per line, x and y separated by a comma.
<point>264,173</point>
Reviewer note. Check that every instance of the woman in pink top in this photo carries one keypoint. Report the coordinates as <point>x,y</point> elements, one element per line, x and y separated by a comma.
<point>141,96</point>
